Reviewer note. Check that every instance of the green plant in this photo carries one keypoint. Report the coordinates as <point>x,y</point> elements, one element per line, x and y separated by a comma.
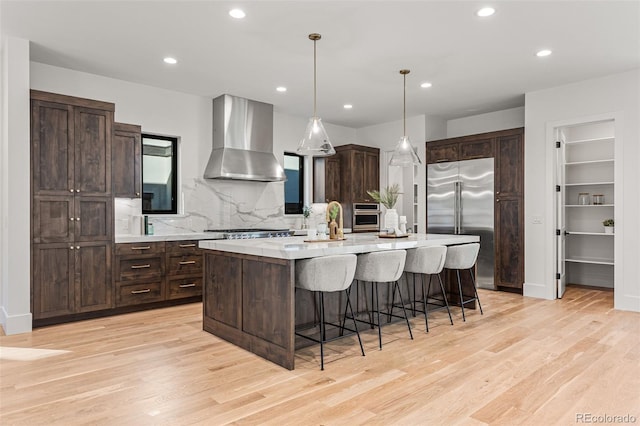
<point>607,222</point>
<point>333,213</point>
<point>306,211</point>
<point>388,197</point>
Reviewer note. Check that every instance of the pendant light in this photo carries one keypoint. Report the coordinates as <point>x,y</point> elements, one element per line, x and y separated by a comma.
<point>404,155</point>
<point>315,142</point>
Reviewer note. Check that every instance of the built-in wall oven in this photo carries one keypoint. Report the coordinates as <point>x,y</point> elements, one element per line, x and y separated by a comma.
<point>366,217</point>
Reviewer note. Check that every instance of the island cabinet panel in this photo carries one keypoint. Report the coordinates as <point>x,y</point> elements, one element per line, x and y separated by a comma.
<point>249,301</point>
<point>266,301</point>
<point>223,287</point>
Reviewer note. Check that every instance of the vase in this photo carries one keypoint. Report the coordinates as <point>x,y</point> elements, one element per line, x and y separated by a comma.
<point>305,225</point>
<point>333,230</point>
<point>608,229</point>
<point>391,219</point>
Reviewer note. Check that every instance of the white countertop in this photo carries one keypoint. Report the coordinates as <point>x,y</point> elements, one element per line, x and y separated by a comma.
<point>295,247</point>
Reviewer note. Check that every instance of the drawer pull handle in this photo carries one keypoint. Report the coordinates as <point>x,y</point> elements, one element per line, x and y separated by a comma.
<point>187,285</point>
<point>187,262</point>
<point>141,248</point>
<point>146,290</point>
<point>187,245</point>
<point>140,266</point>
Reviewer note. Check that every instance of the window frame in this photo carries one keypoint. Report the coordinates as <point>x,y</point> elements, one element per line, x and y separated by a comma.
<point>174,173</point>
<point>295,208</point>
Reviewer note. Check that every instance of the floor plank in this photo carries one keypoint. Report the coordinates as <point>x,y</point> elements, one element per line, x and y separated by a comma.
<point>526,361</point>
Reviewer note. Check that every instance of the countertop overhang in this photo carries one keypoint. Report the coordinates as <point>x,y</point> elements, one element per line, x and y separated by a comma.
<point>292,248</point>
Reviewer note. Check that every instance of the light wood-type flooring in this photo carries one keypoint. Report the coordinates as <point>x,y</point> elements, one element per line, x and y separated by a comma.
<point>525,361</point>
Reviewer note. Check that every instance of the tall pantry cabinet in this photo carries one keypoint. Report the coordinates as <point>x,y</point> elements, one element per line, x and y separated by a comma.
<point>72,205</point>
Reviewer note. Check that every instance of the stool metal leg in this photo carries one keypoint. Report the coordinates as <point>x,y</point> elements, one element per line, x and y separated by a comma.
<point>322,331</point>
<point>406,318</point>
<point>475,290</point>
<point>461,296</point>
<point>378,312</point>
<point>444,297</point>
<point>355,323</point>
<point>424,300</point>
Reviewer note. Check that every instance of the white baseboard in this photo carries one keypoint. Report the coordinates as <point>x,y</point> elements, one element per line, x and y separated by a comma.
<point>627,303</point>
<point>539,291</point>
<point>15,324</point>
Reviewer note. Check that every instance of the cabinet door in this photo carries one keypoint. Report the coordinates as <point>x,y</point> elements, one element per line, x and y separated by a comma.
<point>53,219</point>
<point>93,218</point>
<point>52,134</point>
<point>223,293</point>
<point>93,283</point>
<point>510,165</point>
<point>125,160</point>
<point>332,179</point>
<point>53,275</point>
<point>509,237</point>
<point>481,148</point>
<point>92,137</point>
<point>357,179</point>
<point>442,152</point>
<point>371,174</point>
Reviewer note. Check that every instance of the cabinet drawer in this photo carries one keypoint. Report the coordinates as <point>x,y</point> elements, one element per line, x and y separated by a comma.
<point>442,153</point>
<point>136,268</point>
<point>188,247</point>
<point>184,287</point>
<point>184,265</point>
<point>140,248</point>
<point>138,293</point>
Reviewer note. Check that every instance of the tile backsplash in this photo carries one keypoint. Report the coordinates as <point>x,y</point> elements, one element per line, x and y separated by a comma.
<point>213,204</point>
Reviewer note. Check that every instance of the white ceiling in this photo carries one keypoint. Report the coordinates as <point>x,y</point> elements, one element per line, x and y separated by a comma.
<point>476,65</point>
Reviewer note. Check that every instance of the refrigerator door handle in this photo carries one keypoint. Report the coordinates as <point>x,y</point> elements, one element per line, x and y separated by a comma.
<point>457,201</point>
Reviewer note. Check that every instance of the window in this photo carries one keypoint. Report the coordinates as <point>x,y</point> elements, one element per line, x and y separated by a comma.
<point>159,174</point>
<point>294,186</point>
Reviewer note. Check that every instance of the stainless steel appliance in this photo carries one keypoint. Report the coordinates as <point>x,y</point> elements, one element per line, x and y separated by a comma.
<point>243,141</point>
<point>248,234</point>
<point>366,217</point>
<point>460,199</point>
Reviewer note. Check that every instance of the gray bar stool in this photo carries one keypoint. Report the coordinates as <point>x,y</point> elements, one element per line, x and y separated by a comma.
<point>382,267</point>
<point>427,261</point>
<point>325,275</point>
<point>459,258</point>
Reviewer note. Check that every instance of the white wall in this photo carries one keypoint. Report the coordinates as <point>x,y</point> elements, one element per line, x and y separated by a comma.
<point>15,193</point>
<point>489,122</point>
<point>612,96</point>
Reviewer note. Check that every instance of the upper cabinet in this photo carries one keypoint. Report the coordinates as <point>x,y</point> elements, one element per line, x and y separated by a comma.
<point>125,162</point>
<point>360,172</point>
<point>71,145</point>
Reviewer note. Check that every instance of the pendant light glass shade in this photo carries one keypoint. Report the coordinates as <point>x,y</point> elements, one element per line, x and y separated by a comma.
<point>315,141</point>
<point>404,155</point>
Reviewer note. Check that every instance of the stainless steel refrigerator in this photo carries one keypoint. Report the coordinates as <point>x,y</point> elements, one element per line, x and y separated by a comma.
<point>460,198</point>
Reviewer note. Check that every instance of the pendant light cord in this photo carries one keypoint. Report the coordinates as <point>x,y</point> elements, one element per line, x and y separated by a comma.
<point>404,106</point>
<point>314,79</point>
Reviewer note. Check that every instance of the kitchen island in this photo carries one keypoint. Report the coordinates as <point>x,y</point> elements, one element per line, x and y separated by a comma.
<point>249,285</point>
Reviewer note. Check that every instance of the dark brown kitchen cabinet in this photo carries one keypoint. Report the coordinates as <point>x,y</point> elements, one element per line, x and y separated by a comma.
<point>72,205</point>
<point>326,179</point>
<point>126,160</point>
<point>71,278</point>
<point>184,269</point>
<point>507,148</point>
<point>360,172</point>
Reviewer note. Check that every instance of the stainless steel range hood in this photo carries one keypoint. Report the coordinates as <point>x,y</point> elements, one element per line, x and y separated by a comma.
<point>243,141</point>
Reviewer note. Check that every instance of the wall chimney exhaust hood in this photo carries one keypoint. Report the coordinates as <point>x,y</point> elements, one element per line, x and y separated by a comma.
<point>243,141</point>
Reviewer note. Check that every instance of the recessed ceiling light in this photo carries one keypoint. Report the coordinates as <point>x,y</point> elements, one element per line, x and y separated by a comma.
<point>170,60</point>
<point>544,52</point>
<point>281,89</point>
<point>237,13</point>
<point>486,11</point>
<point>348,106</point>
<point>425,85</point>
